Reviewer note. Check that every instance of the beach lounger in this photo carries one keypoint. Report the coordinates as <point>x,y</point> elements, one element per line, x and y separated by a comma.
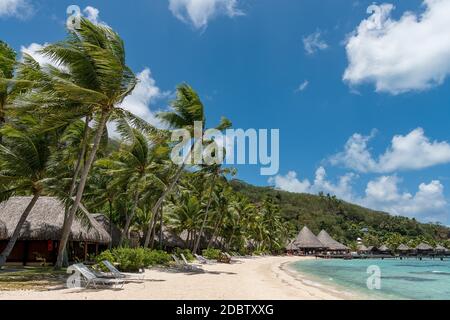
<point>185,265</point>
<point>119,275</point>
<point>92,279</point>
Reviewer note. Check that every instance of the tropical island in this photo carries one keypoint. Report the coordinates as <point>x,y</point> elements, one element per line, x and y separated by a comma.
<point>71,195</point>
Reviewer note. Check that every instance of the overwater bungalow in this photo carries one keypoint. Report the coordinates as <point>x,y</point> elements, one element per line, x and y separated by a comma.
<point>332,245</point>
<point>403,250</point>
<point>362,249</point>
<point>307,242</point>
<point>440,249</point>
<point>424,249</point>
<point>384,250</point>
<point>39,238</point>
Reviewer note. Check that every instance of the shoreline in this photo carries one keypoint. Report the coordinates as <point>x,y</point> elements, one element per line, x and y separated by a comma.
<point>258,278</point>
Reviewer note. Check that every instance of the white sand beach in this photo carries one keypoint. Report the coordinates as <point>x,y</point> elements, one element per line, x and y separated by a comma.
<point>245,279</point>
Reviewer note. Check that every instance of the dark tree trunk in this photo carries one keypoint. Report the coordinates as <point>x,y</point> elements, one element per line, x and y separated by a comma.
<point>9,247</point>
<point>80,190</point>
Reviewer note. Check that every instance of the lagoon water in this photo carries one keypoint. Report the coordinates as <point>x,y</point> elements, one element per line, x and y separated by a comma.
<point>400,279</point>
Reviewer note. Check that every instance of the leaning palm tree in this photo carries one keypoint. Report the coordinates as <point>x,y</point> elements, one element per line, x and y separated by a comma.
<point>23,169</point>
<point>187,109</point>
<point>95,74</point>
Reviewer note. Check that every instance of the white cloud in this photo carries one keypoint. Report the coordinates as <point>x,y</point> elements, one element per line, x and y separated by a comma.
<point>92,14</point>
<point>412,53</point>
<point>15,8</point>
<point>139,101</point>
<point>199,12</point>
<point>410,152</point>
<point>33,50</point>
<point>144,94</point>
<point>292,183</point>
<point>302,86</point>
<point>314,43</point>
<point>427,204</point>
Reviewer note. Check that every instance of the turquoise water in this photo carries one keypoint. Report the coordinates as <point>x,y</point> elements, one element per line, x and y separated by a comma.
<point>400,279</point>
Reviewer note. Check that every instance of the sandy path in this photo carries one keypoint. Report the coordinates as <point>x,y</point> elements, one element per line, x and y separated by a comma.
<point>246,279</point>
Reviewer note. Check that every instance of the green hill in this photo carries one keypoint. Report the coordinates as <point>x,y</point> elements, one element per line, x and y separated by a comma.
<point>344,221</point>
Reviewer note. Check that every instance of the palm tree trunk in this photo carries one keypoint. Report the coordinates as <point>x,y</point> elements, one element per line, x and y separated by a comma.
<point>9,247</point>
<point>152,241</point>
<point>81,155</point>
<point>161,229</point>
<point>169,189</point>
<point>110,224</point>
<point>148,235</point>
<point>80,190</point>
<point>216,228</point>
<point>126,229</point>
<point>205,218</point>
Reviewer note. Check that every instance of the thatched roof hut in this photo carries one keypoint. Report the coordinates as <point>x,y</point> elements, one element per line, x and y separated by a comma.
<point>3,230</point>
<point>440,248</point>
<point>46,219</point>
<point>103,220</point>
<point>330,243</point>
<point>169,238</point>
<point>307,240</point>
<point>362,248</point>
<point>403,248</point>
<point>384,248</point>
<point>291,246</point>
<point>424,247</point>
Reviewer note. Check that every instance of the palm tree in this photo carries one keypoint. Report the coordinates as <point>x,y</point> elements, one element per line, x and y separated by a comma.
<point>7,63</point>
<point>186,216</point>
<point>101,192</point>
<point>216,172</point>
<point>98,77</point>
<point>187,109</point>
<point>23,159</point>
<point>135,166</point>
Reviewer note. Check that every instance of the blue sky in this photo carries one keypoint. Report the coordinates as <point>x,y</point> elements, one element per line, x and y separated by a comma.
<point>361,99</point>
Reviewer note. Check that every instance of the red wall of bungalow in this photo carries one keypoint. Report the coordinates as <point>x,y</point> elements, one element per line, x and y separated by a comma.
<point>35,251</point>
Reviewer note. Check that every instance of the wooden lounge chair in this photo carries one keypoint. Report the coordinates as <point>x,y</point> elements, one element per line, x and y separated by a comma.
<point>92,279</point>
<point>119,275</point>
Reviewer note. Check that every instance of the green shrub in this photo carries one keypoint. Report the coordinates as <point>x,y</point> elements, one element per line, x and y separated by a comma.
<point>186,252</point>
<point>105,255</point>
<point>156,257</point>
<point>212,254</point>
<point>133,259</point>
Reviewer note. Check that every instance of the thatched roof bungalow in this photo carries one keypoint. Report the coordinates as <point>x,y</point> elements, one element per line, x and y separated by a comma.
<point>403,248</point>
<point>42,230</point>
<point>424,247</point>
<point>330,243</point>
<point>384,249</point>
<point>362,249</point>
<point>291,247</point>
<point>307,241</point>
<point>440,249</point>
